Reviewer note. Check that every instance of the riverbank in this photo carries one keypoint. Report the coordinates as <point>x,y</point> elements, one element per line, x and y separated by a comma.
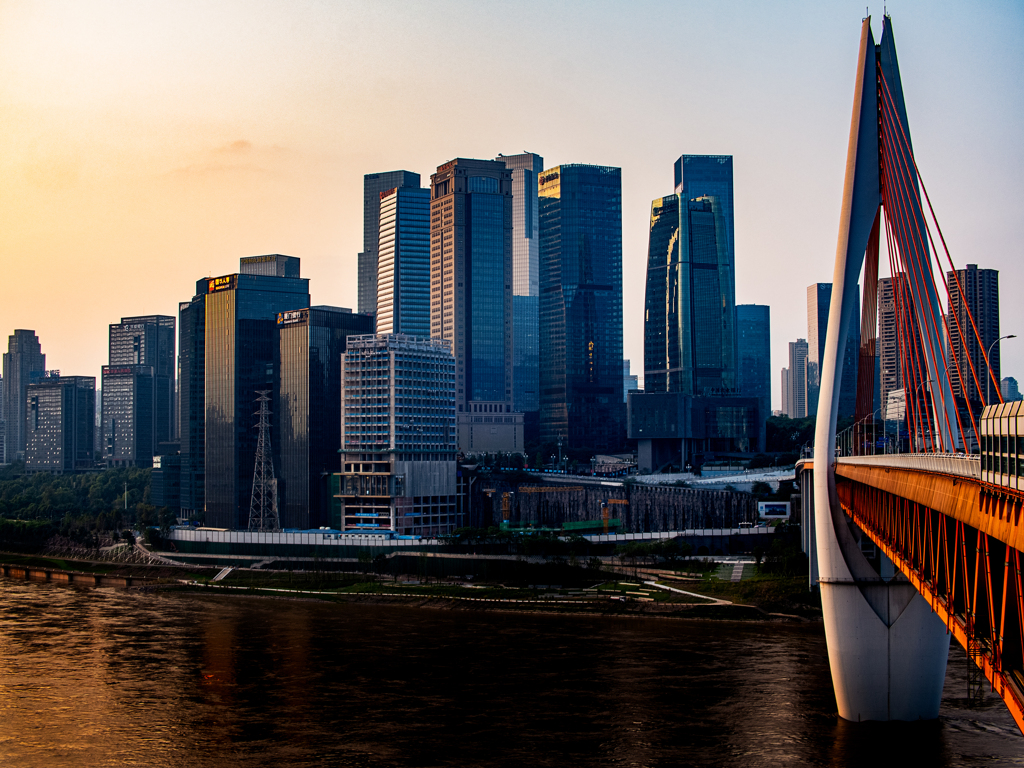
<point>607,594</point>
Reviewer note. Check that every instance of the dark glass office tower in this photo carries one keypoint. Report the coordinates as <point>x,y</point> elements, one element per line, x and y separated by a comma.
<point>689,331</point>
<point>59,424</point>
<point>581,307</point>
<point>241,345</point>
<point>710,176</point>
<point>403,262</point>
<point>753,342</point>
<point>471,297</point>
<point>526,169</point>
<point>24,362</point>
<point>192,401</point>
<point>307,409</point>
<point>819,298</point>
<point>141,348</point>
<point>373,185</point>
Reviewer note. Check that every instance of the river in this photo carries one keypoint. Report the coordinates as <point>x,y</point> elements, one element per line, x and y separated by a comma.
<point>104,677</point>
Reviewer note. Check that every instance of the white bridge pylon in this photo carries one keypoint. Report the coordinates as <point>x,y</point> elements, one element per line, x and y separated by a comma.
<point>887,649</point>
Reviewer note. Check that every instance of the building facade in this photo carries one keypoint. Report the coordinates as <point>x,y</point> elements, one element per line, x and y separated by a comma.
<point>526,170</point>
<point>981,299</point>
<point>1008,387</point>
<point>754,353</point>
<point>630,381</point>
<point>471,297</point>
<point>307,409</point>
<point>403,262</point>
<point>398,437</point>
<point>270,265</point>
<point>139,405</point>
<point>192,402</point>
<point>797,379</point>
<point>24,362</point>
<point>59,424</point>
<point>819,299</point>
<point>373,185</point>
<point>240,351</point>
<point>581,307</point>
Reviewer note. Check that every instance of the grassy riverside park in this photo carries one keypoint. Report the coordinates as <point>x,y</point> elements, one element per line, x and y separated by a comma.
<point>760,597</point>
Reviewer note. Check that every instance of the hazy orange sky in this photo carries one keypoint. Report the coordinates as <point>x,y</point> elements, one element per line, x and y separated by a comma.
<point>144,145</point>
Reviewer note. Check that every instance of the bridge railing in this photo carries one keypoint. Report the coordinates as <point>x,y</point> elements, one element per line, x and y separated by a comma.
<point>960,464</point>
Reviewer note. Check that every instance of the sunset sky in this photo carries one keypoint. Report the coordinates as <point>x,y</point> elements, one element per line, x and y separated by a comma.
<point>144,145</point>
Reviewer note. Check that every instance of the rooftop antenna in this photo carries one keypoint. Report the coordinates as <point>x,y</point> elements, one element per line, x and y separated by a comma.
<point>263,515</point>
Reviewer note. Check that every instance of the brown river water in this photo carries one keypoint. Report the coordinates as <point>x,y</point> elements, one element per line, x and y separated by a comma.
<point>105,677</point>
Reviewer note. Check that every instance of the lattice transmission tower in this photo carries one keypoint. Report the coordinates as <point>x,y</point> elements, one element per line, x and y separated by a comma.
<point>263,508</point>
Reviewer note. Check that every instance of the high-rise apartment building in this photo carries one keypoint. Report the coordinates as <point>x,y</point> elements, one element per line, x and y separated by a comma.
<point>192,401</point>
<point>981,298</point>
<point>398,437</point>
<point>138,390</point>
<point>373,185</point>
<point>471,297</point>
<point>240,351</point>
<point>581,307</point>
<point>403,262</point>
<point>24,362</point>
<point>819,299</point>
<point>307,409</point>
<point>689,332</point>
<point>797,379</point>
<point>526,170</point>
<point>753,350</point>
<point>59,424</point>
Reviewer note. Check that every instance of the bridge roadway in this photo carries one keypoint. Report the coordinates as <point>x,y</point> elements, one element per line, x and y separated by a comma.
<point>956,538</point>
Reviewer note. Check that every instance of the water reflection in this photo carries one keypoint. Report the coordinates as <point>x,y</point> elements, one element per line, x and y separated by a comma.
<point>95,677</point>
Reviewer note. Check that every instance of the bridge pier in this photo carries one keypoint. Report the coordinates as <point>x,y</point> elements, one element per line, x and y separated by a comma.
<point>884,667</point>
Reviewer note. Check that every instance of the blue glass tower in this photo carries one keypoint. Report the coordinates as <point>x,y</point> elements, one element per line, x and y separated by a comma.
<point>403,262</point>
<point>753,342</point>
<point>581,307</point>
<point>710,176</point>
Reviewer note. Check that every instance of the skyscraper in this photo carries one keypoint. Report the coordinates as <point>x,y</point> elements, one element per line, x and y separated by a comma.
<point>785,391</point>
<point>471,297</point>
<point>138,390</point>
<point>403,262</point>
<point>526,169</point>
<point>307,408</point>
<point>373,185</point>
<point>753,342</point>
<point>690,332</point>
<point>59,424</point>
<point>581,306</point>
<point>797,378</point>
<point>240,350</point>
<point>981,298</point>
<point>710,176</point>
<point>24,362</point>
<point>819,298</point>
<point>192,401</point>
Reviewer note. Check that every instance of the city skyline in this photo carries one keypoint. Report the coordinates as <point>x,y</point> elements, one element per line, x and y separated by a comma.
<point>105,172</point>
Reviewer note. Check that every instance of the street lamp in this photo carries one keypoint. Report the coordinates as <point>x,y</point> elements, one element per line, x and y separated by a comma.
<point>988,362</point>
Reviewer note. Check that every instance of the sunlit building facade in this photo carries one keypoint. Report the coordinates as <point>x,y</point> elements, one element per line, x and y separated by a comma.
<point>403,262</point>
<point>373,185</point>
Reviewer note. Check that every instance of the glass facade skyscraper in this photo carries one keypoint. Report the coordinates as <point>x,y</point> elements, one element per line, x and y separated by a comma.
<point>526,169</point>
<point>373,185</point>
<point>581,306</point>
<point>307,409</point>
<point>689,327</point>
<point>753,342</point>
<point>240,351</point>
<point>24,362</point>
<point>192,401</point>
<point>403,262</point>
<point>710,176</point>
<point>471,297</point>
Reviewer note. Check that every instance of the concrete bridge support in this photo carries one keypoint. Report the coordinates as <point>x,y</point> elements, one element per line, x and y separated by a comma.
<point>887,650</point>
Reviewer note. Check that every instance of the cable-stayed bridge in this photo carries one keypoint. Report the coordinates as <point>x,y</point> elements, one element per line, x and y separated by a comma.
<point>916,540</point>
